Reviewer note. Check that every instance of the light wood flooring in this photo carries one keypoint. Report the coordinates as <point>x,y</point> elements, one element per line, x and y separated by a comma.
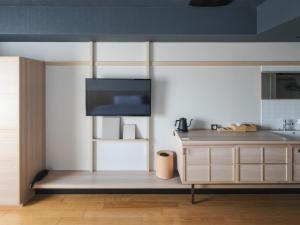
<point>155,210</point>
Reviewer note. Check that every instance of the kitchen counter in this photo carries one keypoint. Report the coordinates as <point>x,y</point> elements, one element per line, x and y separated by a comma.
<point>194,137</point>
<point>264,157</point>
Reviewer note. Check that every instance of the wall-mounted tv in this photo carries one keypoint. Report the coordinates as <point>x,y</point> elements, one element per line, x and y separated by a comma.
<point>118,97</point>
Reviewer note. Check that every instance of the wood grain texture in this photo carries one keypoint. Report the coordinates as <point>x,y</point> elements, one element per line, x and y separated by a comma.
<point>225,63</point>
<point>32,123</point>
<point>175,63</point>
<point>9,168</point>
<point>22,127</point>
<point>9,131</point>
<point>250,163</point>
<point>155,209</point>
<point>106,180</point>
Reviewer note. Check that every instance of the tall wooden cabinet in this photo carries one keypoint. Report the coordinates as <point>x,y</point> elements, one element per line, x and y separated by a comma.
<point>22,127</point>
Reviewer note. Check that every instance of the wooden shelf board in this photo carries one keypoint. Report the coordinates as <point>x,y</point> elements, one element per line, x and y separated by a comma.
<point>120,140</point>
<point>106,180</point>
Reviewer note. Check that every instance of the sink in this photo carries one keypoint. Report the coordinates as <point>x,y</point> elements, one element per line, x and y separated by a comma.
<point>288,133</point>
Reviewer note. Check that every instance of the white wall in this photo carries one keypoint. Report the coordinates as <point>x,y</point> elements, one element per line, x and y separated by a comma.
<point>221,95</point>
<point>274,111</point>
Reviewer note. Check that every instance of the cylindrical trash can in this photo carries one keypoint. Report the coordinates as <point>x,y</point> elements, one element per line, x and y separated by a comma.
<point>165,164</point>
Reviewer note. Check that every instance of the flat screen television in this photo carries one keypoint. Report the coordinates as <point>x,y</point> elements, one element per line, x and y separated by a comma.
<point>118,97</point>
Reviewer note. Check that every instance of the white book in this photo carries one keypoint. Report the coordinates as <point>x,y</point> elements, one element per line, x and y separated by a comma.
<point>110,128</point>
<point>129,131</point>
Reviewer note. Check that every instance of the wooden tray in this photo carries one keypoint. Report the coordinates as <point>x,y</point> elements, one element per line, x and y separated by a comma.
<point>240,128</point>
<point>243,128</point>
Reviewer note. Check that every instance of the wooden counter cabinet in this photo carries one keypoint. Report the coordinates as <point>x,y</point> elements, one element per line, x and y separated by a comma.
<point>212,158</point>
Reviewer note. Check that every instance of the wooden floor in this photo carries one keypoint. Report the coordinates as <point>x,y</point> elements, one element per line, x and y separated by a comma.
<point>155,210</point>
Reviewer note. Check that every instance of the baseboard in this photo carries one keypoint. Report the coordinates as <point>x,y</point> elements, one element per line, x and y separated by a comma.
<point>171,191</point>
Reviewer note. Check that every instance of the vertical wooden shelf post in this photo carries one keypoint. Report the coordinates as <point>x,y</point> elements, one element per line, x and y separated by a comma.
<point>148,74</point>
<point>93,119</point>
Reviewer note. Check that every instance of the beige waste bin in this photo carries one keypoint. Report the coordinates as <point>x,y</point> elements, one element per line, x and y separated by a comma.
<point>165,164</point>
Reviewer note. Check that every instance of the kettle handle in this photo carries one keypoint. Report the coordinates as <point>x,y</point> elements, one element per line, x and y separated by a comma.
<point>190,123</point>
<point>176,122</point>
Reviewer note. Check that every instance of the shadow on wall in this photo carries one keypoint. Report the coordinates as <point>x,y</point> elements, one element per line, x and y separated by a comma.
<point>159,95</point>
<point>197,124</point>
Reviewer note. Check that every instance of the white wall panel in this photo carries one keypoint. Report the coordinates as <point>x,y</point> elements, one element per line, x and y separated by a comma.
<point>120,51</point>
<point>121,72</point>
<point>208,94</point>
<point>225,51</point>
<point>47,51</point>
<point>125,156</point>
<point>221,95</point>
<point>67,127</point>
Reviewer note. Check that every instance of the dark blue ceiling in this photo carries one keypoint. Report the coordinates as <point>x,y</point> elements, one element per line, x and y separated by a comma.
<point>118,3</point>
<point>154,20</point>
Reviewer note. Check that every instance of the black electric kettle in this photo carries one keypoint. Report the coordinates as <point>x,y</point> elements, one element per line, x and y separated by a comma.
<point>182,125</point>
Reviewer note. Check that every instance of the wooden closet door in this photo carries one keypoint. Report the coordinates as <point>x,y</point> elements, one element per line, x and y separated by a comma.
<point>9,131</point>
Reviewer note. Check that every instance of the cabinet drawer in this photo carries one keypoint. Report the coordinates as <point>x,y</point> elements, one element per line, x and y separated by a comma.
<point>296,154</point>
<point>222,173</point>
<point>197,156</point>
<point>296,173</point>
<point>275,154</point>
<point>250,154</point>
<point>276,173</point>
<point>250,173</point>
<point>222,155</point>
<point>197,173</point>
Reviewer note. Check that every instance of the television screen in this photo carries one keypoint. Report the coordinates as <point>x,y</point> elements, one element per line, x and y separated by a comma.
<point>118,97</point>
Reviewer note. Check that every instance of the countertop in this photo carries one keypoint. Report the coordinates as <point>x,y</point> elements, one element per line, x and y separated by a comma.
<point>216,137</point>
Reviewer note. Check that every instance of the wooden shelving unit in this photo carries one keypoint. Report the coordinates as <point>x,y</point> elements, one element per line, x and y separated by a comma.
<point>94,179</point>
<point>94,139</point>
<point>121,140</point>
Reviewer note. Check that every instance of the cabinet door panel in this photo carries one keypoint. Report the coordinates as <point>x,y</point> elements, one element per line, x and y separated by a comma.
<point>221,155</point>
<point>222,173</point>
<point>275,154</point>
<point>197,156</point>
<point>296,154</point>
<point>296,173</point>
<point>9,77</point>
<point>250,173</point>
<point>276,173</point>
<point>250,154</point>
<point>8,111</point>
<point>197,173</point>
<point>9,191</point>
